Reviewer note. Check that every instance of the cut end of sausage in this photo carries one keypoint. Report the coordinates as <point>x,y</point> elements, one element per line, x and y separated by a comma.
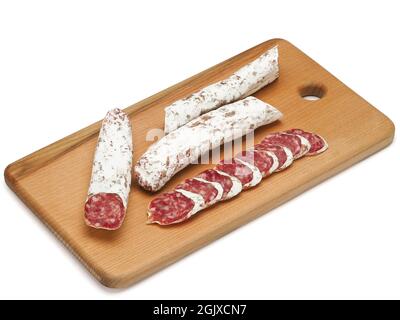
<point>104,211</point>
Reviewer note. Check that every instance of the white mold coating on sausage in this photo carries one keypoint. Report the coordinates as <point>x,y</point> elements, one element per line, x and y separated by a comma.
<point>185,145</point>
<point>244,82</point>
<point>112,164</point>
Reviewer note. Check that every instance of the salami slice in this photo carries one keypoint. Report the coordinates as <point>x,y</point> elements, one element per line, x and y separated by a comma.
<point>110,183</point>
<point>171,207</point>
<point>209,191</point>
<point>283,154</point>
<point>305,145</point>
<point>236,169</point>
<point>257,175</point>
<point>317,143</point>
<point>231,186</point>
<point>265,161</point>
<point>244,82</point>
<point>177,150</point>
<point>237,186</point>
<point>290,141</point>
<point>229,178</point>
<point>247,174</point>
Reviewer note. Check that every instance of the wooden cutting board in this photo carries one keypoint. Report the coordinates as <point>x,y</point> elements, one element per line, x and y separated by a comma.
<point>53,181</point>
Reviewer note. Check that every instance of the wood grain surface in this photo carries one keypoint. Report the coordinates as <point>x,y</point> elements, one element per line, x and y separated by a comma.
<point>53,181</point>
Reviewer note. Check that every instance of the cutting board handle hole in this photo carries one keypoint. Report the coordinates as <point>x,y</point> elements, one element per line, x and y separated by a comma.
<point>312,92</point>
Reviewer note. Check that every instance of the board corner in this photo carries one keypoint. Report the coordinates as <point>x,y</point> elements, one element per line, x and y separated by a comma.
<point>10,175</point>
<point>278,41</point>
<point>108,279</point>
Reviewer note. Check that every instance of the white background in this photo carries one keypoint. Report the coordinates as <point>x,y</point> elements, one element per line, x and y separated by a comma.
<point>62,65</point>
